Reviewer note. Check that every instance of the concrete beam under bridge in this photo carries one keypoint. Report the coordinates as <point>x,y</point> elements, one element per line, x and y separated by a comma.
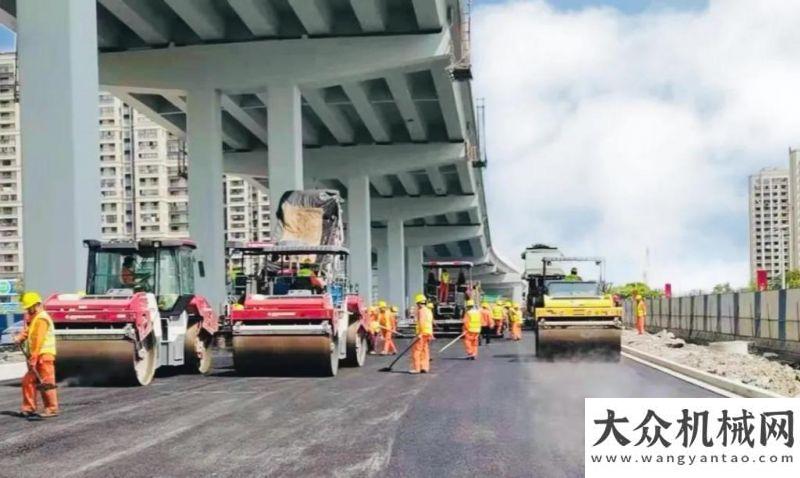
<point>411,208</point>
<point>432,235</point>
<point>347,161</point>
<point>250,66</point>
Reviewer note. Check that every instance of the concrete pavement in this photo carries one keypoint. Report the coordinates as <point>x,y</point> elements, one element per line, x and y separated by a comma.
<point>505,415</point>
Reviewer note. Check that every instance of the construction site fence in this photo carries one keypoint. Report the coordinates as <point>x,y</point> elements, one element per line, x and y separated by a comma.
<point>770,319</point>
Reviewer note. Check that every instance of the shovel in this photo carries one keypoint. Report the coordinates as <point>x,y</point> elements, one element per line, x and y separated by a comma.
<point>389,368</point>
<point>452,342</point>
<point>402,336</point>
<point>40,385</point>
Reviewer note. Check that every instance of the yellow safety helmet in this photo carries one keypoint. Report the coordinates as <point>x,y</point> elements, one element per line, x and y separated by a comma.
<point>29,299</point>
<point>637,297</point>
<point>420,299</point>
<point>470,303</point>
<point>382,304</point>
<point>394,308</point>
<point>484,304</point>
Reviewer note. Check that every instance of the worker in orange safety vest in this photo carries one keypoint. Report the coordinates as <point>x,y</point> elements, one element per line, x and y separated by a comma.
<point>373,329</point>
<point>421,351</point>
<point>515,318</point>
<point>38,340</point>
<point>641,313</point>
<point>498,316</point>
<point>487,323</point>
<point>471,330</point>
<point>387,328</point>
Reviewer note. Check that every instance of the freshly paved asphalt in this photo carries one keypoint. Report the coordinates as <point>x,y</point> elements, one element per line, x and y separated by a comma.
<point>507,414</point>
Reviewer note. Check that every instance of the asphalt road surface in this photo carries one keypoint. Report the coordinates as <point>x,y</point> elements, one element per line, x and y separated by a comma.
<point>506,414</point>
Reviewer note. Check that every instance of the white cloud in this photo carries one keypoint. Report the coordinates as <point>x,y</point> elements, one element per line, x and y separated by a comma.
<point>611,133</point>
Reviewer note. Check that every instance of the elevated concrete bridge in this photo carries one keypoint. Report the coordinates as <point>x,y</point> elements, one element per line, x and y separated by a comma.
<point>370,97</point>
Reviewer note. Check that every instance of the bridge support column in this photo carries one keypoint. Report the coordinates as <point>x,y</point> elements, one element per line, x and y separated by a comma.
<point>382,249</point>
<point>395,239</point>
<point>285,137</point>
<point>414,279</point>
<point>360,235</point>
<point>206,208</point>
<point>61,205</point>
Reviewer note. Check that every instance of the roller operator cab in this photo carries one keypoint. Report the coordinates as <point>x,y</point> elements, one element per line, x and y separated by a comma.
<point>139,312</point>
<point>532,258</point>
<point>298,313</point>
<point>449,284</point>
<point>576,316</point>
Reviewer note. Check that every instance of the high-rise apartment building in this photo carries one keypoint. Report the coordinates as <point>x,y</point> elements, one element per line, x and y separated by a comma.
<point>143,187</point>
<point>771,235</point>
<point>247,213</point>
<point>10,180</point>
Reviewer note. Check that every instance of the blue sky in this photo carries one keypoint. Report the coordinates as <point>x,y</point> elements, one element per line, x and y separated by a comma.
<point>632,128</point>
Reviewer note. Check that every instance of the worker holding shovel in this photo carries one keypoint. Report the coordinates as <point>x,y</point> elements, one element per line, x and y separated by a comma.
<point>38,343</point>
<point>472,330</point>
<point>421,352</point>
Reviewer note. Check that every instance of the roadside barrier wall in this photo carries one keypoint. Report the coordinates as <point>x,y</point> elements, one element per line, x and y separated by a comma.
<point>771,319</point>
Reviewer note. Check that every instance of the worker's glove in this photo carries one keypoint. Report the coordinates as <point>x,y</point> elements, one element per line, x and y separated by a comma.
<point>18,339</point>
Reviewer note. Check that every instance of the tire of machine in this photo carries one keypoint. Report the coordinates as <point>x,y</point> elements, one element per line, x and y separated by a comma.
<point>107,362</point>
<point>286,355</point>
<point>356,347</point>
<point>145,368</point>
<point>196,338</point>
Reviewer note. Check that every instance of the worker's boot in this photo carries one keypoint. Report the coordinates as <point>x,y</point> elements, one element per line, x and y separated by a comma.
<point>49,414</point>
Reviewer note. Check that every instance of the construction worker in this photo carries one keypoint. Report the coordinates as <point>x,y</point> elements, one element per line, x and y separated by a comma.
<point>515,317</point>
<point>127,275</point>
<point>307,270</point>
<point>471,330</point>
<point>387,328</point>
<point>487,323</point>
<point>641,313</point>
<point>38,341</point>
<point>573,276</point>
<point>497,316</point>
<point>373,327</point>
<point>421,353</point>
<point>444,285</point>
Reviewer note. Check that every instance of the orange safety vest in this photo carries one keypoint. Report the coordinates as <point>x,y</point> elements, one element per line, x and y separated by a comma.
<point>385,319</point>
<point>486,317</point>
<point>472,321</point>
<point>424,321</point>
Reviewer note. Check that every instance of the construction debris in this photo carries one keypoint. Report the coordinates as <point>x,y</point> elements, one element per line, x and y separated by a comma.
<point>750,369</point>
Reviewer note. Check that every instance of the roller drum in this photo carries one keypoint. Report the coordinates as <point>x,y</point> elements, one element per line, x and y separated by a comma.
<point>105,362</point>
<point>576,342</point>
<point>285,355</point>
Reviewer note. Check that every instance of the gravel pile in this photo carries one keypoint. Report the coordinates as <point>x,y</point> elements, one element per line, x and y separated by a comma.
<point>751,369</point>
